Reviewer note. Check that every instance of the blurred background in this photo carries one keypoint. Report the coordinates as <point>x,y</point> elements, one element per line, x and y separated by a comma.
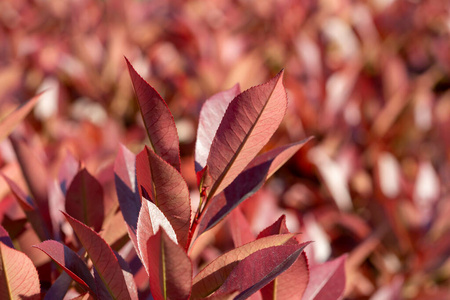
<point>370,80</point>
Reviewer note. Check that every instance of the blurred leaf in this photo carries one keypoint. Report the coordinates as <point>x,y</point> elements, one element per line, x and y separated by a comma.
<point>70,262</point>
<point>18,276</point>
<point>211,114</point>
<point>84,200</point>
<point>10,122</point>
<point>158,120</point>
<point>170,268</point>
<point>167,189</point>
<point>249,122</point>
<point>4,237</point>
<point>103,258</point>
<point>260,268</point>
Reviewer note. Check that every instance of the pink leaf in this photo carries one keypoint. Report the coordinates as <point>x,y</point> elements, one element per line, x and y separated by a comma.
<point>158,120</point>
<point>247,183</point>
<point>67,259</point>
<point>10,122</point>
<point>103,258</point>
<point>210,116</point>
<point>249,122</point>
<point>327,280</point>
<point>240,228</point>
<point>260,268</point>
<point>4,237</point>
<point>214,275</point>
<point>167,189</point>
<point>127,190</point>
<point>18,276</point>
<point>84,200</point>
<point>170,268</point>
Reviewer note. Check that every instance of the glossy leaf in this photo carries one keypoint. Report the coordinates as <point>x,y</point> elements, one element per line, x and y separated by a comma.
<point>67,259</point>
<point>249,122</point>
<point>214,274</point>
<point>167,189</point>
<point>103,258</point>
<point>127,190</point>
<point>150,220</point>
<point>158,120</point>
<point>10,122</point>
<point>84,200</point>
<point>170,268</point>
<point>251,274</point>
<point>247,183</point>
<point>18,276</point>
<point>327,280</point>
<point>209,120</point>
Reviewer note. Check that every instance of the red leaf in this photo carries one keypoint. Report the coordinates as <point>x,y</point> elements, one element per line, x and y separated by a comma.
<point>210,116</point>
<point>67,259</point>
<point>293,282</point>
<point>170,268</point>
<point>150,219</point>
<point>247,183</point>
<point>249,122</point>
<point>59,287</point>
<point>4,237</point>
<point>103,258</point>
<point>260,268</point>
<point>167,189</point>
<point>240,228</point>
<point>327,280</point>
<point>84,200</point>
<point>18,276</point>
<point>214,275</point>
<point>158,120</point>
<point>10,122</point>
<point>127,190</point>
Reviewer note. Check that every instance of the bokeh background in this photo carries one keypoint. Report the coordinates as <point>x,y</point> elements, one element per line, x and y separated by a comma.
<point>368,79</point>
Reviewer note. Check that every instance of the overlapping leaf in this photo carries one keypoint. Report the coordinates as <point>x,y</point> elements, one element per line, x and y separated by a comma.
<point>167,189</point>
<point>158,120</point>
<point>247,183</point>
<point>67,259</point>
<point>251,274</point>
<point>18,276</point>
<point>103,258</point>
<point>214,275</point>
<point>209,120</point>
<point>170,268</point>
<point>84,200</point>
<point>249,122</point>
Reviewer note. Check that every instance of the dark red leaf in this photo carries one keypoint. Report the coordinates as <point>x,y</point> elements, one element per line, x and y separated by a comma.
<point>260,268</point>
<point>18,276</point>
<point>327,280</point>
<point>70,262</point>
<point>167,189</point>
<point>210,116</point>
<point>249,122</point>
<point>170,268</point>
<point>4,237</point>
<point>158,120</point>
<point>84,200</point>
<point>103,258</point>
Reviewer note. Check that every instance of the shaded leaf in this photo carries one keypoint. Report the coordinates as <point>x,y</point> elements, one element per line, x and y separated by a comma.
<point>4,237</point>
<point>158,120</point>
<point>10,122</point>
<point>150,220</point>
<point>167,189</point>
<point>59,287</point>
<point>214,274</point>
<point>327,280</point>
<point>103,258</point>
<point>170,268</point>
<point>260,268</point>
<point>18,276</point>
<point>84,200</point>
<point>126,271</point>
<point>209,120</point>
<point>249,122</point>
<point>127,190</point>
<point>67,259</point>
<point>247,183</point>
